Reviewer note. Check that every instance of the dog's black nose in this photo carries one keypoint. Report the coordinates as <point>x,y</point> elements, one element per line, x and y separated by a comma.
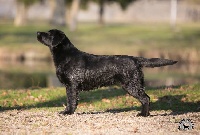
<point>38,33</point>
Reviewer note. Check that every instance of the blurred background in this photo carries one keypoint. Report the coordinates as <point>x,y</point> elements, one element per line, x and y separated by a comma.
<point>148,28</point>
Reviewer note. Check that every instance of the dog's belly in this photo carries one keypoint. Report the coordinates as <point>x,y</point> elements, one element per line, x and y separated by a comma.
<point>91,82</point>
<point>91,85</point>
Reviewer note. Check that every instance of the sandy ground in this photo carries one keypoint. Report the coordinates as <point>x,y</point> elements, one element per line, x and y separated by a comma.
<point>100,123</point>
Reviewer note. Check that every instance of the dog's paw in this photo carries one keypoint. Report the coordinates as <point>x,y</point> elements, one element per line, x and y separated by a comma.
<point>143,114</point>
<point>66,112</point>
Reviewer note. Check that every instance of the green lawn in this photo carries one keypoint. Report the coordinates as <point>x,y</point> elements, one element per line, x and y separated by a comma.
<point>110,39</point>
<point>179,99</point>
<point>148,40</point>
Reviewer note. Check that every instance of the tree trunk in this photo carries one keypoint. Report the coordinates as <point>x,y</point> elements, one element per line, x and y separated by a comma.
<point>58,12</point>
<point>101,11</point>
<point>74,14</point>
<point>173,13</point>
<point>21,16</point>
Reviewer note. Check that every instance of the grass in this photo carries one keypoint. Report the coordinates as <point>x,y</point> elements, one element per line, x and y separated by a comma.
<point>111,39</point>
<point>147,40</point>
<point>184,98</point>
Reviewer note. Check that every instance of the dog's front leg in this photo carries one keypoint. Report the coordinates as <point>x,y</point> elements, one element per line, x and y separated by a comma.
<point>72,100</point>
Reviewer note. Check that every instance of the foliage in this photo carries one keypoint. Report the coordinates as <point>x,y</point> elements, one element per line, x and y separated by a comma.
<point>27,2</point>
<point>194,1</point>
<point>123,3</point>
<point>83,3</point>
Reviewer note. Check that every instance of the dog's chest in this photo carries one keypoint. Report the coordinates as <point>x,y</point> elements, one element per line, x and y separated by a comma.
<point>67,75</point>
<point>61,76</point>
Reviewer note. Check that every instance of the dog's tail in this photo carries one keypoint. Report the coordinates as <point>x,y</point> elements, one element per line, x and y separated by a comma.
<point>155,62</point>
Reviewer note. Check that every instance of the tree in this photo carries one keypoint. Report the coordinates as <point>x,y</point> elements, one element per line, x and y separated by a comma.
<point>62,8</point>
<point>101,11</point>
<point>57,6</point>
<point>58,11</point>
<point>193,11</point>
<point>21,13</point>
<point>123,4</point>
<point>74,6</point>
<point>173,13</point>
<point>74,14</point>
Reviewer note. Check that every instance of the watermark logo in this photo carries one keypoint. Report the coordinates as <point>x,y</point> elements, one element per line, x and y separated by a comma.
<point>186,124</point>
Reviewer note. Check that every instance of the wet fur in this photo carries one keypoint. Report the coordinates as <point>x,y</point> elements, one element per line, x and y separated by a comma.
<point>81,71</point>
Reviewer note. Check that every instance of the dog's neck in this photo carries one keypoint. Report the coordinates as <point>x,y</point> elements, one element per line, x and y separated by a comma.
<point>63,52</point>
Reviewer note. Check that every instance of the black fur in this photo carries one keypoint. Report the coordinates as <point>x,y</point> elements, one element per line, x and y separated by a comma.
<point>80,71</point>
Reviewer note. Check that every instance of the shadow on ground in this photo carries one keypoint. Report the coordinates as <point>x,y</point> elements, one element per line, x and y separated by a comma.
<point>171,102</point>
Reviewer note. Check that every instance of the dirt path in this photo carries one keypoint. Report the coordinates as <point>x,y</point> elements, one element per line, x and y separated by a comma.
<point>123,123</point>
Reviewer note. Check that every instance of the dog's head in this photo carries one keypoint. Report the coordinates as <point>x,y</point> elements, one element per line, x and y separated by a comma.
<point>52,38</point>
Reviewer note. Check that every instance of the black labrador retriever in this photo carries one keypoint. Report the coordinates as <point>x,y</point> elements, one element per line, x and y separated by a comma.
<point>81,71</point>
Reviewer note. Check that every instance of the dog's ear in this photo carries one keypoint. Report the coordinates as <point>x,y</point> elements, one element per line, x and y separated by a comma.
<point>58,39</point>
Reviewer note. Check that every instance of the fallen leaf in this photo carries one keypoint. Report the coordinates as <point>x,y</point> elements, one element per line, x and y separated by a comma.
<point>4,93</point>
<point>105,100</point>
<point>40,96</point>
<point>29,93</point>
<point>5,102</point>
<point>31,97</point>
<point>36,99</point>
<point>15,102</point>
<point>91,106</point>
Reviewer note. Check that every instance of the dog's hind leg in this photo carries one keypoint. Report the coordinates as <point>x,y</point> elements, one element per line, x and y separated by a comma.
<point>72,100</point>
<point>145,101</point>
<point>135,87</point>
